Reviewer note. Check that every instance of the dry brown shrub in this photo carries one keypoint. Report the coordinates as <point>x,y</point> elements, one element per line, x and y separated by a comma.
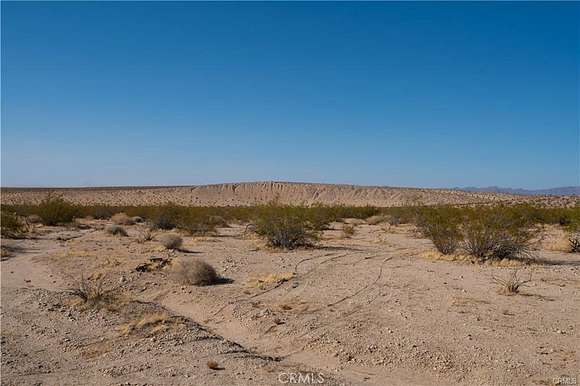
<point>122,219</point>
<point>376,220</point>
<point>214,365</point>
<point>347,231</point>
<point>115,230</point>
<point>354,221</point>
<point>34,219</point>
<point>144,236</point>
<point>574,241</point>
<point>195,272</point>
<point>171,241</point>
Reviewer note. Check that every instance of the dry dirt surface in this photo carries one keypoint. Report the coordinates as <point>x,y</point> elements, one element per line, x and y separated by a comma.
<point>253,193</point>
<point>380,308</point>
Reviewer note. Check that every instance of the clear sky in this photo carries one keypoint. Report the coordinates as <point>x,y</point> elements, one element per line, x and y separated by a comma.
<point>400,94</point>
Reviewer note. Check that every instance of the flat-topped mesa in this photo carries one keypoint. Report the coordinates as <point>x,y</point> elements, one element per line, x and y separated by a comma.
<point>255,193</point>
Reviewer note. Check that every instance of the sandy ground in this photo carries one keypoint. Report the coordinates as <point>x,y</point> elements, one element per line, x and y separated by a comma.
<point>253,193</point>
<point>379,308</point>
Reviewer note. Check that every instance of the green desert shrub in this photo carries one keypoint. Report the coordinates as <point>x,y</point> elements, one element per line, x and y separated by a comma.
<point>442,228</point>
<point>11,225</point>
<point>166,216</point>
<point>55,210</point>
<point>498,234</point>
<point>199,223</point>
<point>286,227</point>
<point>402,215</point>
<point>100,212</point>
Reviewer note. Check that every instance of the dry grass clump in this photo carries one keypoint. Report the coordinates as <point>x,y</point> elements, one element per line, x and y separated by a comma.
<point>171,240</point>
<point>122,219</point>
<point>347,231</point>
<point>438,256</point>
<point>150,324</point>
<point>511,284</point>
<point>92,293</point>
<point>116,230</point>
<point>195,272</point>
<point>271,278</point>
<point>144,236</point>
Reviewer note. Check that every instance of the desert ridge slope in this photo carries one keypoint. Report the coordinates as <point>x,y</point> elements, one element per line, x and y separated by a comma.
<point>255,193</point>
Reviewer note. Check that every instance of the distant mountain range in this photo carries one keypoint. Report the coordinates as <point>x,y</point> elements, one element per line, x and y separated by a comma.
<point>561,191</point>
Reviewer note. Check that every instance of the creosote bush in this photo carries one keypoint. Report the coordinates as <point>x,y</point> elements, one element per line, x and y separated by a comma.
<point>497,234</point>
<point>115,230</point>
<point>55,211</point>
<point>442,228</point>
<point>100,212</point>
<point>286,227</point>
<point>199,224</point>
<point>166,217</point>
<point>12,225</point>
<point>483,233</point>
<point>195,272</point>
<point>171,241</point>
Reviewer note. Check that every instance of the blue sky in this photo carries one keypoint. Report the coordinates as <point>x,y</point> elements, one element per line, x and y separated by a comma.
<point>400,94</point>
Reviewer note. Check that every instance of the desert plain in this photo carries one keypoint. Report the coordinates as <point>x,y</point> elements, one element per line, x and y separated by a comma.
<point>377,305</point>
